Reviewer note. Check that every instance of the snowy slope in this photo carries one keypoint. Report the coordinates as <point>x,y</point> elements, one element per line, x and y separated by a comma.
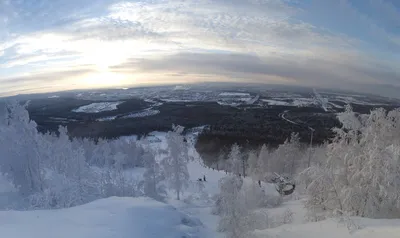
<point>331,228</point>
<point>189,217</point>
<point>105,218</point>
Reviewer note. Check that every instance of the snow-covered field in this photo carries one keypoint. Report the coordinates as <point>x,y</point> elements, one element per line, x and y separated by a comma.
<point>356,100</point>
<point>98,107</point>
<point>236,98</point>
<point>107,118</point>
<point>294,102</point>
<point>234,94</point>
<point>106,218</point>
<point>275,102</point>
<point>145,113</point>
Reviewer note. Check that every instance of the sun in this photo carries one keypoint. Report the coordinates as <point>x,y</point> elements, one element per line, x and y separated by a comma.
<point>103,79</point>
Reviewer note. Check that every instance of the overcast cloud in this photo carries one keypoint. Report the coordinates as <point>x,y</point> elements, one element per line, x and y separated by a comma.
<point>52,45</point>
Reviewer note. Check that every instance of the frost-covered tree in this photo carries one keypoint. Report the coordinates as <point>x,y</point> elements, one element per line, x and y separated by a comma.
<point>361,175</point>
<point>102,154</point>
<point>53,171</point>
<point>235,216</point>
<point>153,176</point>
<point>255,197</point>
<point>134,151</point>
<point>175,163</point>
<point>286,157</point>
<point>263,157</point>
<point>235,160</point>
<point>22,157</point>
<point>254,169</point>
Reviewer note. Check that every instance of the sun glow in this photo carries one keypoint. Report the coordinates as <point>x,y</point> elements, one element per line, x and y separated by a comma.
<point>103,79</point>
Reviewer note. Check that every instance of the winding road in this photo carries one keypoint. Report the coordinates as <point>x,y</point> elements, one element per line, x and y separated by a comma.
<point>282,115</point>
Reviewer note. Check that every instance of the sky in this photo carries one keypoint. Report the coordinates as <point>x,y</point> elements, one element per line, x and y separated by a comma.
<point>53,45</point>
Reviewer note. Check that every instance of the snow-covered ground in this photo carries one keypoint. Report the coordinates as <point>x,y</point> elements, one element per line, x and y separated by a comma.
<point>236,98</point>
<point>294,102</point>
<point>356,100</point>
<point>181,87</point>
<point>189,217</point>
<point>98,107</point>
<point>234,94</point>
<point>302,102</point>
<point>107,118</point>
<point>105,218</point>
<point>332,228</point>
<point>144,113</point>
<point>275,102</point>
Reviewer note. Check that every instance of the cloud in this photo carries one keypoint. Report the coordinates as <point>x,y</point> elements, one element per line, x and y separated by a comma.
<point>42,81</point>
<point>302,42</point>
<point>308,71</point>
<point>47,77</point>
<point>143,27</point>
<point>37,58</point>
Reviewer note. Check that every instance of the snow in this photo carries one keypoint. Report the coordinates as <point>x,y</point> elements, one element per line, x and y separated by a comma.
<point>105,218</point>
<point>181,87</point>
<point>155,103</point>
<point>236,99</point>
<point>296,102</point>
<point>189,217</point>
<point>302,102</point>
<point>234,94</point>
<point>253,100</point>
<point>145,113</point>
<point>336,105</point>
<point>222,103</point>
<point>275,102</point>
<point>321,100</point>
<point>130,138</point>
<point>331,228</point>
<point>179,100</point>
<point>350,99</point>
<point>98,107</point>
<point>62,120</point>
<point>110,118</point>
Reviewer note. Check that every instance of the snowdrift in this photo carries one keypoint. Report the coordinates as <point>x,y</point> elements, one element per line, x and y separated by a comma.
<point>358,228</point>
<point>105,218</point>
